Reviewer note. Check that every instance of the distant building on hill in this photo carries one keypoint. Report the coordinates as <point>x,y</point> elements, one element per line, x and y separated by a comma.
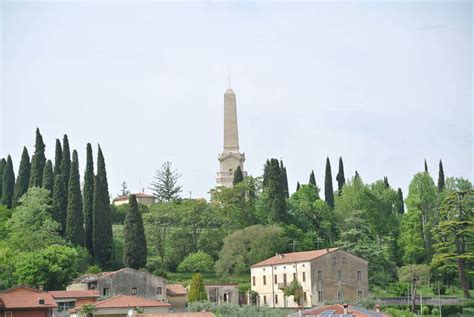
<point>328,275</point>
<point>142,198</point>
<point>126,281</point>
<point>23,301</point>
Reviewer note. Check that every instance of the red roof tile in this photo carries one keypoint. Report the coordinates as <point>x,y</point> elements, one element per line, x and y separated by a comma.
<point>75,294</point>
<point>176,290</point>
<point>25,297</point>
<point>198,314</point>
<point>339,309</point>
<point>294,257</point>
<point>129,301</point>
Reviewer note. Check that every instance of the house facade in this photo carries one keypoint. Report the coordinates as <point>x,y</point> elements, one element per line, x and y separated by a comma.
<point>222,293</point>
<point>328,275</point>
<point>126,281</point>
<point>67,300</point>
<point>177,295</point>
<point>142,198</point>
<point>23,301</point>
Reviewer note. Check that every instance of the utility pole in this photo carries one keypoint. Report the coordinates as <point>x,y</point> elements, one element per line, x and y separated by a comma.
<point>293,245</point>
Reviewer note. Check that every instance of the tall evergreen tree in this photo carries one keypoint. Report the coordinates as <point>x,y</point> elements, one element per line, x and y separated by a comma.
<point>60,202</point>
<point>312,182</point>
<point>134,249</point>
<point>101,224</point>
<point>266,168</point>
<point>165,187</point>
<point>341,180</point>
<point>426,167</point>
<point>48,177</point>
<point>8,183</point>
<point>66,161</point>
<point>276,195</point>
<point>238,176</point>
<point>38,161</point>
<point>298,186</point>
<point>356,176</point>
<point>284,180</point>
<point>401,206</point>
<point>3,163</point>
<point>328,190</point>
<point>88,198</point>
<point>75,218</point>
<point>385,182</point>
<point>58,157</point>
<point>441,180</point>
<point>23,178</point>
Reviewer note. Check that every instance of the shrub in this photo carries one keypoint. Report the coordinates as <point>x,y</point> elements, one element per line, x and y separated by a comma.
<point>435,312</point>
<point>197,262</point>
<point>425,310</point>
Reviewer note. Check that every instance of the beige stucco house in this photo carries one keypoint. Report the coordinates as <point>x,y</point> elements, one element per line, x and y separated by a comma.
<point>328,275</point>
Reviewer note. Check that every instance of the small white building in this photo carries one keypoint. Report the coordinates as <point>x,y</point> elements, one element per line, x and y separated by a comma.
<point>142,198</point>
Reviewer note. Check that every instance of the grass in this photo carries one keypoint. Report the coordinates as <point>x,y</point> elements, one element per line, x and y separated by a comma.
<point>212,278</point>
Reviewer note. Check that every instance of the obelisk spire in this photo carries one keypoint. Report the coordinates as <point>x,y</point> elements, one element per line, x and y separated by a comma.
<point>231,133</point>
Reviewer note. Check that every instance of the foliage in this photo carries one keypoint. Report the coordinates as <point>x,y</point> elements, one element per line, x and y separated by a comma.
<point>59,207</point>
<point>3,163</point>
<point>38,161</point>
<point>328,191</point>
<point>234,310</point>
<point>74,216</point>
<point>284,179</point>
<point>276,203</point>
<point>134,251</point>
<point>58,157</point>
<point>248,246</point>
<point>197,292</point>
<point>341,180</point>
<point>197,262</point>
<point>238,176</point>
<point>66,161</point>
<point>441,180</point>
<point>8,183</point>
<point>312,182</point>
<point>23,178</point>
<point>294,289</point>
<point>165,187</point>
<point>48,180</point>
<point>88,199</point>
<point>124,191</point>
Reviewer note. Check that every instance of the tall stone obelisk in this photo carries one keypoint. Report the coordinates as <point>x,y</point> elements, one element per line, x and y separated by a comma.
<point>231,157</point>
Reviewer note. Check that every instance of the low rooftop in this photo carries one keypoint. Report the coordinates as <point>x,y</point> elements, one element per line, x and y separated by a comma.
<point>294,257</point>
<point>338,311</point>
<point>25,297</point>
<point>75,294</point>
<point>176,290</point>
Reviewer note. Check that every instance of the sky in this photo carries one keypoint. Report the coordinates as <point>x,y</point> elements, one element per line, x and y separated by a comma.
<point>382,84</point>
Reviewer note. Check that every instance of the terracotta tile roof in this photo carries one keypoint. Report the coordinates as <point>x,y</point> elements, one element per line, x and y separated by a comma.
<point>294,257</point>
<point>200,314</point>
<point>338,309</point>
<point>129,301</point>
<point>75,294</point>
<point>176,290</point>
<point>126,197</point>
<point>25,297</point>
<point>94,277</point>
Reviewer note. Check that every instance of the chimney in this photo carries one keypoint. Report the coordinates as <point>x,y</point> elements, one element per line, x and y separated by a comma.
<point>345,308</point>
<point>377,308</point>
<point>40,287</point>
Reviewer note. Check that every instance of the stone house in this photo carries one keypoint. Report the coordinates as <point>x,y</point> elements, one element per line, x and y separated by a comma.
<point>23,301</point>
<point>328,275</point>
<point>126,281</point>
<point>223,293</point>
<point>177,295</point>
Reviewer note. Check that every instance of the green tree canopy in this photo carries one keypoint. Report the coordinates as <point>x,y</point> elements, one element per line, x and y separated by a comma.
<point>23,178</point>
<point>48,180</point>
<point>8,183</point>
<point>88,198</point>
<point>197,291</point>
<point>75,218</point>
<point>135,251</point>
<point>197,262</point>
<point>238,176</point>
<point>165,187</point>
<point>38,161</point>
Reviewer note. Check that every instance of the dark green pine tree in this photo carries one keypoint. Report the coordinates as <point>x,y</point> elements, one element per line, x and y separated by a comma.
<point>8,183</point>
<point>441,180</point>
<point>238,176</point>
<point>276,195</point>
<point>75,218</point>
<point>328,190</point>
<point>66,161</point>
<point>3,163</point>
<point>298,186</point>
<point>426,167</point>
<point>58,157</point>
<point>385,182</point>
<point>38,161</point>
<point>101,224</point>
<point>312,182</point>
<point>356,176</point>
<point>284,180</point>
<point>401,204</point>
<point>88,198</point>
<point>134,246</point>
<point>48,177</point>
<point>60,202</point>
<point>23,178</point>
<point>266,169</point>
<point>341,179</point>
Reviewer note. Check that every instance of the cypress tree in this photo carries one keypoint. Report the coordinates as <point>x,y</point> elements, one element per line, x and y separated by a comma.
<point>328,190</point>
<point>284,180</point>
<point>101,225</point>
<point>341,180</point>
<point>385,182</point>
<point>266,169</point>
<point>441,181</point>
<point>426,167</point>
<point>356,176</point>
<point>238,176</point>
<point>298,186</point>
<point>88,198</point>
<point>401,206</point>
<point>276,195</point>
<point>48,178</point>
<point>134,248</point>
<point>66,161</point>
<point>38,161</point>
<point>75,218</point>
<point>3,163</point>
<point>60,202</point>
<point>8,183</point>
<point>23,178</point>
<point>312,182</point>
<point>197,290</point>
<point>58,157</point>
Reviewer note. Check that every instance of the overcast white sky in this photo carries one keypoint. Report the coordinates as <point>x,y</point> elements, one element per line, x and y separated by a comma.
<point>385,85</point>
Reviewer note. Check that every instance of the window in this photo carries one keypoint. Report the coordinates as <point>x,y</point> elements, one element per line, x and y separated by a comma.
<point>264,280</point>
<point>334,260</point>
<point>65,306</point>
<point>264,299</point>
<point>340,298</point>
<point>294,276</point>
<point>320,296</point>
<point>159,290</point>
<point>134,291</point>
<point>304,276</point>
<point>276,298</point>
<point>304,296</point>
<point>359,275</point>
<point>339,275</point>
<point>253,280</point>
<point>105,291</point>
<point>359,294</point>
<point>8,314</point>
<point>320,275</point>
<point>276,279</point>
<point>284,279</point>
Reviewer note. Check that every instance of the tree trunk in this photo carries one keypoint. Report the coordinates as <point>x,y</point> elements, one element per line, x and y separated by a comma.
<point>463,278</point>
<point>413,299</point>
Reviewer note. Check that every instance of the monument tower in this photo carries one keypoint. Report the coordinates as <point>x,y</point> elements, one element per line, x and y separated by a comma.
<point>231,157</point>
